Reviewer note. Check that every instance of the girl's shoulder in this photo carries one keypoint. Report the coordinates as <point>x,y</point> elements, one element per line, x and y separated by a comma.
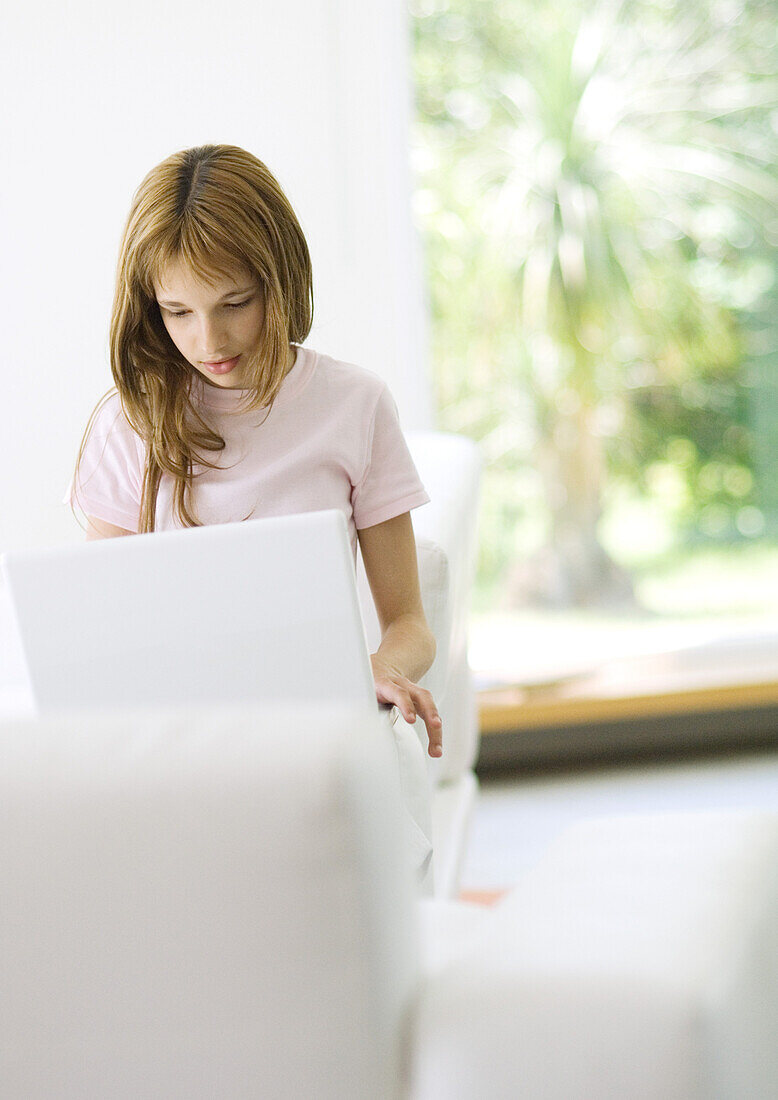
<point>109,409</point>
<point>353,381</point>
<point>108,421</point>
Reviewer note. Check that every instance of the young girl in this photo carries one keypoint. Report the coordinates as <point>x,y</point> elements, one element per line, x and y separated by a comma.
<point>220,415</point>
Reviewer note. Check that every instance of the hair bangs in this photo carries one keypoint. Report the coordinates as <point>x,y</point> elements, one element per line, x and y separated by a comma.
<point>208,255</point>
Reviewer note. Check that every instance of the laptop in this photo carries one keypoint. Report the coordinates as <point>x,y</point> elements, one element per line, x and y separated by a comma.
<point>263,610</point>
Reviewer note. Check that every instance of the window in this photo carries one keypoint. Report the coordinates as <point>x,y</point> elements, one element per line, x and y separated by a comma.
<point>596,191</point>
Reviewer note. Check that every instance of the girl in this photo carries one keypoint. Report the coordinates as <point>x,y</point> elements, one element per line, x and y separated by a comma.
<point>220,415</point>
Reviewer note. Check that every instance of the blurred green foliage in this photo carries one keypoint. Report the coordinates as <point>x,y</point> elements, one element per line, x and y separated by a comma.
<point>597,195</point>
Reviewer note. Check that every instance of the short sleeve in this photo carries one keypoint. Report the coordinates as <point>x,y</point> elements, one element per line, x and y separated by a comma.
<point>109,481</point>
<point>391,484</point>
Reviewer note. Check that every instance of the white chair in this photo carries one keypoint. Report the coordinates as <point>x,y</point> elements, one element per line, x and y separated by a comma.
<point>219,905</point>
<point>441,793</point>
<point>202,905</point>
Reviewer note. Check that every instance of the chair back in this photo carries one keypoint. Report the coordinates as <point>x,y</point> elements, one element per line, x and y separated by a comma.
<point>202,904</point>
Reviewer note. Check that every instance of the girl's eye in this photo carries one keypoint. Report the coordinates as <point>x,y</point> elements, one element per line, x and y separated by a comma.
<point>230,305</point>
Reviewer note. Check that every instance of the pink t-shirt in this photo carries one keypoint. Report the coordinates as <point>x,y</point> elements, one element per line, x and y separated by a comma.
<point>331,440</point>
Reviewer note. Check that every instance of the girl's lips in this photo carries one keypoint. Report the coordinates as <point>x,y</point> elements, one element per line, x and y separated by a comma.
<point>222,368</point>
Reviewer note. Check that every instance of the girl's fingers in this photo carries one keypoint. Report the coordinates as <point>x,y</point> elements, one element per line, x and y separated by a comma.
<point>410,701</point>
<point>434,726</point>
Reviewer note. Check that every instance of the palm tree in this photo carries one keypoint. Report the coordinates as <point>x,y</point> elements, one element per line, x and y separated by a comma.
<point>607,143</point>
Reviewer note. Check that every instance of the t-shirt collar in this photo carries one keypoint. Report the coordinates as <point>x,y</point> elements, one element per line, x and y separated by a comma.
<point>228,399</point>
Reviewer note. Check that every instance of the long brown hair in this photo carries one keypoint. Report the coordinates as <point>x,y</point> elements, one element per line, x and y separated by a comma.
<point>214,208</point>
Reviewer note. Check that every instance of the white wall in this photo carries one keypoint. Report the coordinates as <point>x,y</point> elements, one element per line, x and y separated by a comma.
<point>94,95</point>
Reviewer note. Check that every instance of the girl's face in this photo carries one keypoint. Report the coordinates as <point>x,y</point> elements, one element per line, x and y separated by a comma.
<point>216,328</point>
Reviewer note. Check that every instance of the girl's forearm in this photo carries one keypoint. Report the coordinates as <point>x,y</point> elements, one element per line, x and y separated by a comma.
<point>406,651</point>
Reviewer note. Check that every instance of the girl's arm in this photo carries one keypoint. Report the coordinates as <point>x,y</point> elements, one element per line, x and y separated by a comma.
<point>99,529</point>
<point>407,646</point>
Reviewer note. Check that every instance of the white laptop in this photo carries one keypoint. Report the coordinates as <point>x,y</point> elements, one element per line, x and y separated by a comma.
<point>264,610</point>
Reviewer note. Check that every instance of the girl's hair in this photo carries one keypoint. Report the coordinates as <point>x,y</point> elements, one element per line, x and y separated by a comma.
<point>215,208</point>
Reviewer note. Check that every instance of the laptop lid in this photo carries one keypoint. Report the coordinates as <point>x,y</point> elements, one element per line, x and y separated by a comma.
<point>265,610</point>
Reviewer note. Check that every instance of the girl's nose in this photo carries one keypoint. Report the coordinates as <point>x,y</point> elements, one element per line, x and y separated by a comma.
<point>212,339</point>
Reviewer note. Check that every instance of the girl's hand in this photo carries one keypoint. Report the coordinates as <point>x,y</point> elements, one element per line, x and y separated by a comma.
<point>394,688</point>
